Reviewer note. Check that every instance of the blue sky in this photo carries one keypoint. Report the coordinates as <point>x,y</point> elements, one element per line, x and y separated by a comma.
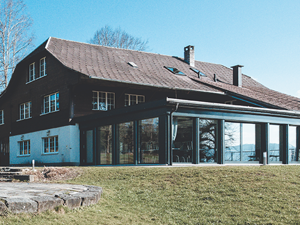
<point>262,35</point>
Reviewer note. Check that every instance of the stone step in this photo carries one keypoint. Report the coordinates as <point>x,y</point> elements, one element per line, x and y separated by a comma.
<point>5,180</point>
<point>10,173</point>
<point>10,169</point>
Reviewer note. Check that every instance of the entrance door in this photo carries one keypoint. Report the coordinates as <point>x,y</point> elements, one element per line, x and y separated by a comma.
<point>4,154</point>
<point>182,135</point>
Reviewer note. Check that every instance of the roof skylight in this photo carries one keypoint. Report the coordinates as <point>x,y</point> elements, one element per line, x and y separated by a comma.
<point>175,70</point>
<point>198,72</point>
<point>133,64</point>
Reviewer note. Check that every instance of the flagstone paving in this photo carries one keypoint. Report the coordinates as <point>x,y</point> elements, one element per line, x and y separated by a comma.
<point>39,197</point>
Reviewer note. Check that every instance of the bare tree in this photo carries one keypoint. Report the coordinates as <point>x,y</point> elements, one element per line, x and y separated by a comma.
<point>118,38</point>
<point>14,41</point>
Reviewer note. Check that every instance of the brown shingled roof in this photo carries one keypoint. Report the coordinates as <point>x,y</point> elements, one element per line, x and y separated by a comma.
<point>112,64</point>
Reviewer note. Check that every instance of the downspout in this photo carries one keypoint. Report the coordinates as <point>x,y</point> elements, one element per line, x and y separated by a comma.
<point>171,135</point>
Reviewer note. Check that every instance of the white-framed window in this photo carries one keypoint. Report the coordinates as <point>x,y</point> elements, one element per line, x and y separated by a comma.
<point>43,67</point>
<point>1,116</point>
<point>25,111</point>
<point>131,99</point>
<point>31,74</point>
<point>50,145</point>
<point>103,100</point>
<point>51,103</point>
<point>24,147</point>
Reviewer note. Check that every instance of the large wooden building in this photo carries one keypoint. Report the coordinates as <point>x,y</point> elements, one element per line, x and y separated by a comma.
<point>71,103</point>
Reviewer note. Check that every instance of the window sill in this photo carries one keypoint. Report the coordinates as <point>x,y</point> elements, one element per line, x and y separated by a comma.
<point>50,153</point>
<point>35,79</point>
<point>42,114</point>
<point>1,124</point>
<point>100,110</point>
<point>23,119</point>
<point>28,155</point>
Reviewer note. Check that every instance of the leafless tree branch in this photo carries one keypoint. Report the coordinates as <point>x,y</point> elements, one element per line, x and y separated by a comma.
<point>118,38</point>
<point>14,41</point>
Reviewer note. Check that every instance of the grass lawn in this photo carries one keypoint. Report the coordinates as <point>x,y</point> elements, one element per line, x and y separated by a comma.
<point>185,195</point>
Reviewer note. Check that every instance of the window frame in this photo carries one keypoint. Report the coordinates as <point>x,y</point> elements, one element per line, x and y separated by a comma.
<point>23,150</point>
<point>136,100</point>
<point>44,65</point>
<point>24,111</point>
<point>107,105</point>
<point>55,145</point>
<point>56,103</point>
<point>1,117</point>
<point>33,72</point>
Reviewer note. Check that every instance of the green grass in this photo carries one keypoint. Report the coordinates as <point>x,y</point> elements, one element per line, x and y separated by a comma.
<point>186,195</point>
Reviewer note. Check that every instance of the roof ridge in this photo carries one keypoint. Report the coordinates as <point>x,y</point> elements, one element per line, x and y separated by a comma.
<point>124,49</point>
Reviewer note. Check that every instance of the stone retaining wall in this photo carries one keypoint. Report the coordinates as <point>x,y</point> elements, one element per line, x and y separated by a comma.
<point>87,197</point>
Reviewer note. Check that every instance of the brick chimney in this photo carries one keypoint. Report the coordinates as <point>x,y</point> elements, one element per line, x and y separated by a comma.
<point>237,75</point>
<point>189,55</point>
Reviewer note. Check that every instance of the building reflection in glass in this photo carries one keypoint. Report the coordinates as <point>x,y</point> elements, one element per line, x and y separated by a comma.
<point>105,144</point>
<point>126,143</point>
<point>182,135</point>
<point>148,151</point>
<point>208,140</point>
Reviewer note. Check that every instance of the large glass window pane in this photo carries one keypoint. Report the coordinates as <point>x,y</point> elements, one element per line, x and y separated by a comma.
<point>208,140</point>
<point>95,100</point>
<point>248,143</point>
<point>102,101</point>
<point>292,143</point>
<point>105,144</point>
<point>132,99</point>
<point>126,143</point>
<point>232,141</point>
<point>182,134</point>
<point>148,141</point>
<point>274,144</point>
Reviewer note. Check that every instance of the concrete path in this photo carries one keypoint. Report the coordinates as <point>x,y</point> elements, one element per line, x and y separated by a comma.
<point>39,197</point>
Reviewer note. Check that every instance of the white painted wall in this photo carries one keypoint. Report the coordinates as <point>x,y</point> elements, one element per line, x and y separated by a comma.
<point>68,146</point>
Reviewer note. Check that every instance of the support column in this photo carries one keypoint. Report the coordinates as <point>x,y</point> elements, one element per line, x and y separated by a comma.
<point>285,144</point>
<point>196,140</point>
<point>297,142</point>
<point>221,141</point>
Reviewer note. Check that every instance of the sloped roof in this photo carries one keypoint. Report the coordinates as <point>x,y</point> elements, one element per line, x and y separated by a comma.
<point>112,64</point>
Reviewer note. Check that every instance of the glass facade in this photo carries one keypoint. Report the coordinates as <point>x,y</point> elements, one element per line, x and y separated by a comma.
<point>292,144</point>
<point>208,140</point>
<point>188,140</point>
<point>126,143</point>
<point>105,144</point>
<point>275,152</point>
<point>182,135</point>
<point>148,150</point>
<point>241,142</point>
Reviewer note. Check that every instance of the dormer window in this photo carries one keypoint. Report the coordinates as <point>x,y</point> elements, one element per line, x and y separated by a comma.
<point>31,76</point>
<point>175,71</point>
